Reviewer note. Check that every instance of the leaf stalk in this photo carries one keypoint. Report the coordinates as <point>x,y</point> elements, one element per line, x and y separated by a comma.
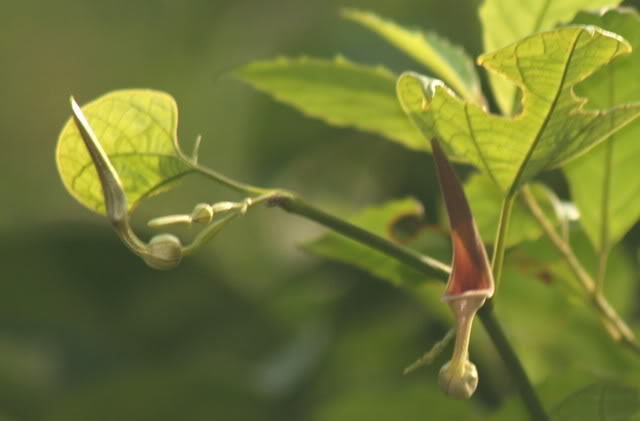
<point>621,331</point>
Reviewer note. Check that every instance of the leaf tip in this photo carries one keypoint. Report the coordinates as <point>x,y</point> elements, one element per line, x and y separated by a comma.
<point>348,12</point>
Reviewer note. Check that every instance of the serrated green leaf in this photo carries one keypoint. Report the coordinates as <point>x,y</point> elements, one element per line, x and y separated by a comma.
<point>507,21</point>
<point>377,220</point>
<point>552,129</point>
<point>449,62</point>
<point>600,401</point>
<point>137,130</point>
<point>604,182</point>
<point>338,92</point>
<point>486,202</point>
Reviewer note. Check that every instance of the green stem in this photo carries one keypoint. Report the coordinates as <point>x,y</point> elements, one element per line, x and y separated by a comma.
<point>497,258</point>
<point>603,252</point>
<point>511,360</point>
<point>216,176</point>
<point>432,268</point>
<point>212,229</point>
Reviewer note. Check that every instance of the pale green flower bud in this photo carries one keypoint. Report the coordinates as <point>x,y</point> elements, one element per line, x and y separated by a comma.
<point>163,252</point>
<point>458,380</point>
<point>202,214</point>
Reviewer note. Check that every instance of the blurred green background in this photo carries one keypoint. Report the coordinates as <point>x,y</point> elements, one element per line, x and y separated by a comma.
<point>252,328</point>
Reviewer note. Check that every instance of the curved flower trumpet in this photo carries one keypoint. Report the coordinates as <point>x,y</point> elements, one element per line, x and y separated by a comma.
<point>470,283</point>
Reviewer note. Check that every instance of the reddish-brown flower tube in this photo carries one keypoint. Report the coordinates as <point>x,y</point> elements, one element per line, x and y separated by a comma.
<point>471,280</point>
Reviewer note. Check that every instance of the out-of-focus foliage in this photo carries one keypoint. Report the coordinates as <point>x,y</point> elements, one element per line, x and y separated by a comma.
<point>337,91</point>
<point>450,63</point>
<point>383,221</point>
<point>252,328</point>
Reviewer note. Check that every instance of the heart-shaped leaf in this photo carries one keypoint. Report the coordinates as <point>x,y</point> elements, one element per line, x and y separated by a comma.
<point>137,130</point>
<point>553,127</point>
<point>507,21</point>
<point>604,182</point>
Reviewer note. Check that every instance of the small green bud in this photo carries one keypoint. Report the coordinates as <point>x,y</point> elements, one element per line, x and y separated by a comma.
<point>458,380</point>
<point>163,252</point>
<point>202,214</point>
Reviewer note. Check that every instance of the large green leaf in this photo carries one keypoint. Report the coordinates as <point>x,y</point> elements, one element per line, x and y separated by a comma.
<point>486,202</point>
<point>601,401</point>
<point>337,91</point>
<point>137,130</point>
<point>507,21</point>
<point>450,63</point>
<point>378,220</point>
<point>604,182</point>
<point>552,129</point>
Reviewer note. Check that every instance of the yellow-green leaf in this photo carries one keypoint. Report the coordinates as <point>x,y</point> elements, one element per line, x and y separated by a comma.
<point>137,130</point>
<point>553,127</point>
<point>338,92</point>
<point>507,21</point>
<point>604,182</point>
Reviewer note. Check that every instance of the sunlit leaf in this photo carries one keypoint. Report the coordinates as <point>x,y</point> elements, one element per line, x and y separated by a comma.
<point>600,401</point>
<point>137,130</point>
<point>379,220</point>
<point>604,182</point>
<point>448,62</point>
<point>338,92</point>
<point>486,202</point>
<point>507,21</point>
<point>552,128</point>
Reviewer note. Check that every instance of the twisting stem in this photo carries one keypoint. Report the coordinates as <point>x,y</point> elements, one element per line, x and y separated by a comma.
<point>597,299</point>
<point>430,267</point>
<point>497,258</point>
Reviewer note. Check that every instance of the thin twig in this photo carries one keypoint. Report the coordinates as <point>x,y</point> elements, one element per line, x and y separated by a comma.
<point>428,357</point>
<point>597,299</point>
